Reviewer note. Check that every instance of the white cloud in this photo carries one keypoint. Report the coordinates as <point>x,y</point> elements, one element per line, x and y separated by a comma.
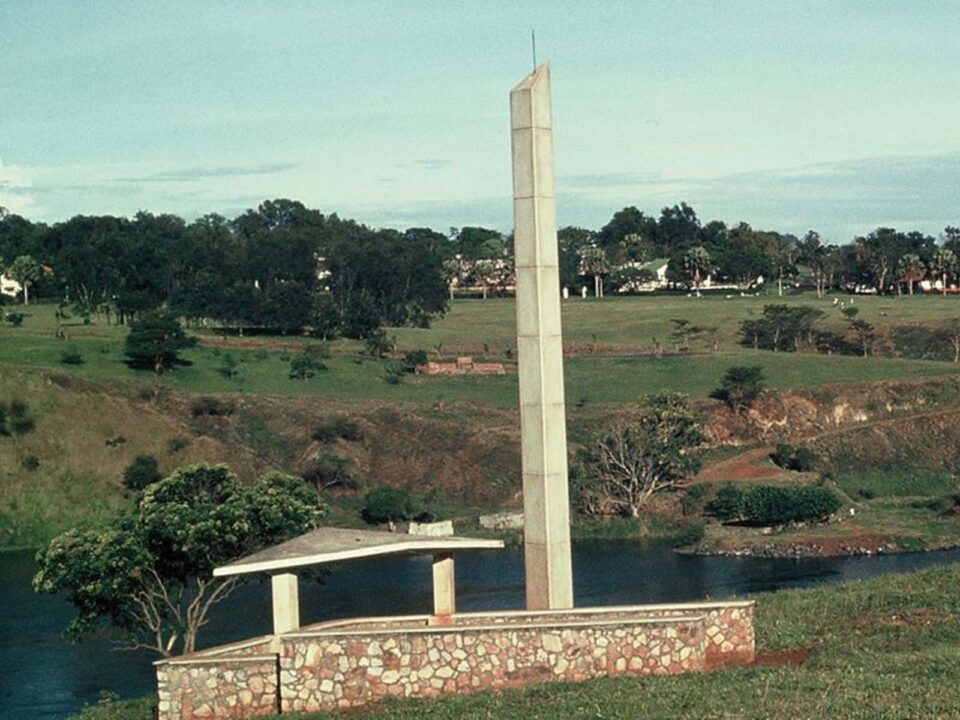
<point>16,193</point>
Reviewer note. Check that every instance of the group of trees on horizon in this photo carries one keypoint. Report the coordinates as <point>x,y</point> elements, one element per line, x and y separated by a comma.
<point>284,267</point>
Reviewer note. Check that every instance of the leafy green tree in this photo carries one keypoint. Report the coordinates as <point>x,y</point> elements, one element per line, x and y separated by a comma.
<point>26,271</point>
<point>156,341</point>
<point>740,387</point>
<point>630,463</point>
<point>147,573</point>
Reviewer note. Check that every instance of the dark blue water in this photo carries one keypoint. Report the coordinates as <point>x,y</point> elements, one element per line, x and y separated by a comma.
<point>42,676</point>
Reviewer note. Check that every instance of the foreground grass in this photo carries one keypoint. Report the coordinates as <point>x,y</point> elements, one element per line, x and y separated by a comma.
<point>881,649</point>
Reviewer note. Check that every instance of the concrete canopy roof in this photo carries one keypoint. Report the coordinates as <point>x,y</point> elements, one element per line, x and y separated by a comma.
<point>328,545</point>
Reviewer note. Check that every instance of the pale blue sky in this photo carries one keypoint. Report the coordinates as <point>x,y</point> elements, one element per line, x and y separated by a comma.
<point>838,115</point>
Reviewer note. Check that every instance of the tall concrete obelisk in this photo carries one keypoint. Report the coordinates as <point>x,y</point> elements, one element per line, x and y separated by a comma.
<point>543,427</point>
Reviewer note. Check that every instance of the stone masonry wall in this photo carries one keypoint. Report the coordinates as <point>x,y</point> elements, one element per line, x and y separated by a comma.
<point>348,663</point>
<point>235,681</point>
<point>339,670</point>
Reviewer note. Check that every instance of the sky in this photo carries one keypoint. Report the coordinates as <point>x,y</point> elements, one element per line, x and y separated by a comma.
<point>839,116</point>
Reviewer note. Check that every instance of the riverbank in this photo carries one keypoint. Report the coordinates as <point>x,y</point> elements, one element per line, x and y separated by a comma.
<point>888,647</point>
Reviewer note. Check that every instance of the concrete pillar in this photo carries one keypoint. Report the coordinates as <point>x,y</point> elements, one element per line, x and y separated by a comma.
<point>549,578</point>
<point>286,602</point>
<point>444,586</point>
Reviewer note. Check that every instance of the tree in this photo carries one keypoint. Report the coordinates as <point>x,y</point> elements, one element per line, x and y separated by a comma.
<point>740,386</point>
<point>155,342</point>
<point>783,251</point>
<point>911,269</point>
<point>944,264</point>
<point>595,263</point>
<point>864,334</point>
<point>147,573</point>
<point>814,256</point>
<point>26,271</point>
<point>696,265</point>
<point>385,504</point>
<point>651,454</point>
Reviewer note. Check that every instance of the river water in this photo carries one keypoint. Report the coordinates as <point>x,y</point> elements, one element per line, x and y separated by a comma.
<point>41,676</point>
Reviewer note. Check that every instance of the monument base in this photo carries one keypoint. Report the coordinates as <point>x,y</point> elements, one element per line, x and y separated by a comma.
<point>354,662</point>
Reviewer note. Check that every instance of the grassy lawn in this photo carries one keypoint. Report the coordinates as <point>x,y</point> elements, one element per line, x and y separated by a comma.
<point>887,648</point>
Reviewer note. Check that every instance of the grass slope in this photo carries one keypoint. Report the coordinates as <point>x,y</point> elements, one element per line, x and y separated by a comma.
<point>883,649</point>
<point>78,479</point>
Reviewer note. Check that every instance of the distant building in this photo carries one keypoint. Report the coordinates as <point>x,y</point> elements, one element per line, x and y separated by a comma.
<point>463,366</point>
<point>10,287</point>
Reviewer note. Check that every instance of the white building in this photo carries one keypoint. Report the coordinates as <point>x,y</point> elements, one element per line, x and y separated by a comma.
<point>10,287</point>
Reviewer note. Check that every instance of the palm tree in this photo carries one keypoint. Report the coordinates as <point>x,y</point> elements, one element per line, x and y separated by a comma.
<point>944,264</point>
<point>911,268</point>
<point>595,263</point>
<point>696,263</point>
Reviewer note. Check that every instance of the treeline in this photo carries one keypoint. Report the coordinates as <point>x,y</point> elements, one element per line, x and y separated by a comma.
<point>283,267</point>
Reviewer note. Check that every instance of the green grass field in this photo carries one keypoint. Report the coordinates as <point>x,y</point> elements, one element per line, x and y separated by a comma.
<point>883,649</point>
<point>600,335</point>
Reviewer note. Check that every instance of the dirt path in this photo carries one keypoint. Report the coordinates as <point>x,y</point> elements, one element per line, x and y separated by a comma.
<point>752,464</point>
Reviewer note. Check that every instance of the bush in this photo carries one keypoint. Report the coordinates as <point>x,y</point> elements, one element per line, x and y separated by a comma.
<point>776,505</point>
<point>692,499</point>
<point>71,357</point>
<point>212,407</point>
<point>30,463</point>
<point>690,533</point>
<point>15,418</point>
<point>304,366</point>
<point>393,374</point>
<point>177,444</point>
<point>337,429</point>
<point>727,504</point>
<point>378,344</point>
<point>229,367</point>
<point>329,471</point>
<point>412,360</point>
<point>15,318</point>
<point>788,457</point>
<point>385,504</point>
<point>141,472</point>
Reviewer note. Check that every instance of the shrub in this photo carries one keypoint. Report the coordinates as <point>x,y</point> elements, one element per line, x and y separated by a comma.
<point>212,407</point>
<point>177,444</point>
<point>304,366</point>
<point>71,357</point>
<point>776,505</point>
<point>690,533</point>
<point>385,504</point>
<point>692,498</point>
<point>30,463</point>
<point>15,418</point>
<point>377,342</point>
<point>15,318</point>
<point>329,471</point>
<point>414,359</point>
<point>727,504</point>
<point>338,428</point>
<point>229,367</point>
<point>788,457</point>
<point>393,374</point>
<point>141,472</point>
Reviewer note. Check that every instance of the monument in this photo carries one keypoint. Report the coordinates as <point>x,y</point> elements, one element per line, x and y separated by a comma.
<point>543,431</point>
<point>350,662</point>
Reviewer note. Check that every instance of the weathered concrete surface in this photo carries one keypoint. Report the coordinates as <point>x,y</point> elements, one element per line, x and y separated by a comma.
<point>549,576</point>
